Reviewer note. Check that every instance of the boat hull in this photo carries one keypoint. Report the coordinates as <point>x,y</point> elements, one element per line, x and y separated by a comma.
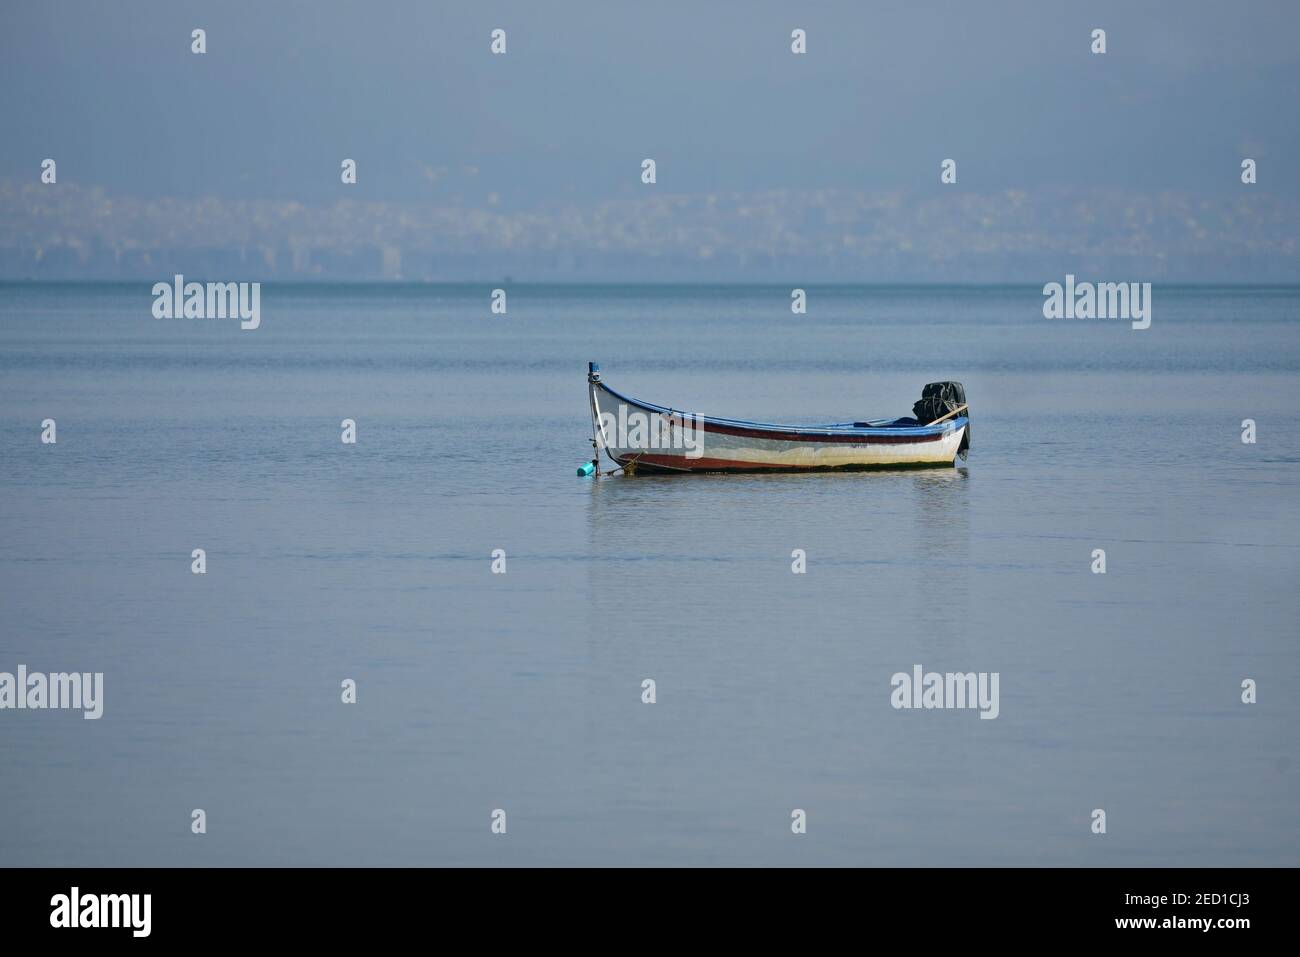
<point>641,436</point>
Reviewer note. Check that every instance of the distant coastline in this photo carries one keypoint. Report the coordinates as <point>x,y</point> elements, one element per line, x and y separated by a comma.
<point>808,235</point>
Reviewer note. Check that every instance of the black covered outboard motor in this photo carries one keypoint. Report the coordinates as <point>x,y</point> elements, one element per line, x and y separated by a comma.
<point>939,399</point>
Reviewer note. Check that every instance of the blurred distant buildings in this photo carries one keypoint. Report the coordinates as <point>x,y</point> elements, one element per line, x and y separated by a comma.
<point>69,232</point>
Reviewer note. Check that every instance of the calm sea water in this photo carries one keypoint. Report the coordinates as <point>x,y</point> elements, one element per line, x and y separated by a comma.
<point>523,691</point>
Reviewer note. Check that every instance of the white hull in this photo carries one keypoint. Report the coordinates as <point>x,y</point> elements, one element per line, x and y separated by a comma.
<point>652,438</point>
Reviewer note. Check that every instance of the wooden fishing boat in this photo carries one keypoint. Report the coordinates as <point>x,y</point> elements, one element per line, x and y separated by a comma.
<point>644,437</point>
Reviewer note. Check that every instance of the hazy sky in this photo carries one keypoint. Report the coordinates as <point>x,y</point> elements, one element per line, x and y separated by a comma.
<point>588,89</point>
<point>710,90</point>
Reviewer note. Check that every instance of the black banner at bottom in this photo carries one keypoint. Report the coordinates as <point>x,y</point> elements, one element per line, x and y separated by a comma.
<point>372,905</point>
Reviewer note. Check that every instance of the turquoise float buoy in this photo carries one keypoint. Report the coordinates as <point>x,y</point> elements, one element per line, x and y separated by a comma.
<point>586,468</point>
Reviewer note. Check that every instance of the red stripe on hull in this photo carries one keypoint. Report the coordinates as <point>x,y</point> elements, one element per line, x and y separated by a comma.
<point>819,437</point>
<point>679,463</point>
<point>706,424</point>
